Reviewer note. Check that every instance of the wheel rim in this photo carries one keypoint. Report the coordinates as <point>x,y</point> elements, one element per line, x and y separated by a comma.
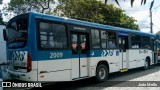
<point>102,73</point>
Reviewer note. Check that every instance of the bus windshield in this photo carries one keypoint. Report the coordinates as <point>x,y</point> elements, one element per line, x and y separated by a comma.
<point>17,30</point>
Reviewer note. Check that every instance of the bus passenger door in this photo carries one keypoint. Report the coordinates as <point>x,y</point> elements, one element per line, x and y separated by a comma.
<point>154,48</point>
<point>80,46</point>
<point>123,45</point>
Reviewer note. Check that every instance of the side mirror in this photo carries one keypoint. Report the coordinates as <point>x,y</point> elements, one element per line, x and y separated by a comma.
<point>5,35</point>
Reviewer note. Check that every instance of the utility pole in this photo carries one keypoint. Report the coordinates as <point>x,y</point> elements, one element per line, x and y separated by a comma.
<point>150,10</point>
<point>151,23</point>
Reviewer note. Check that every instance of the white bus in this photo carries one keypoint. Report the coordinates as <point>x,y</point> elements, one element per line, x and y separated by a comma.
<point>2,52</point>
<point>47,48</point>
<point>2,45</point>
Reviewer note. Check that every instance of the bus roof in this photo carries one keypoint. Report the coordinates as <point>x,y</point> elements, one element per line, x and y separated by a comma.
<point>90,24</point>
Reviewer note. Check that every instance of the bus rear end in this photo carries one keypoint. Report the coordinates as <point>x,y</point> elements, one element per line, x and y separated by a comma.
<point>20,60</point>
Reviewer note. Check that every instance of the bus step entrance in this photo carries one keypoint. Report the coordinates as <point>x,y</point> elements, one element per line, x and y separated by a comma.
<point>124,70</point>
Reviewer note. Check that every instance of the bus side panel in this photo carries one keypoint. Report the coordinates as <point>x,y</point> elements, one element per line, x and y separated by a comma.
<point>138,57</point>
<point>133,58</point>
<point>144,53</point>
<point>53,69</point>
<point>111,56</point>
<point>23,76</point>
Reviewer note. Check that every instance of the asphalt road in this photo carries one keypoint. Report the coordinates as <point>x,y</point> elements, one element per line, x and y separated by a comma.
<point>116,81</point>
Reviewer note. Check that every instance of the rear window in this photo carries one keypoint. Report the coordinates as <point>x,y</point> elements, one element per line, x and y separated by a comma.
<point>17,31</point>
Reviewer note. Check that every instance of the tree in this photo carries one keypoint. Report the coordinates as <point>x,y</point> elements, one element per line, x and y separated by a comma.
<point>95,11</point>
<point>23,6</point>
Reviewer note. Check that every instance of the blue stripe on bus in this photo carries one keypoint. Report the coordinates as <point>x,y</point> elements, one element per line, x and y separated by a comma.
<point>67,54</point>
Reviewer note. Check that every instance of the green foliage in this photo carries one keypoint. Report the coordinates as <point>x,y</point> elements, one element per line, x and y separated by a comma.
<point>23,6</point>
<point>95,11</point>
<point>87,10</point>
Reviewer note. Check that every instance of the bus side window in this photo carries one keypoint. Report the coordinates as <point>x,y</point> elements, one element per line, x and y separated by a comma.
<point>136,41</point>
<point>112,39</point>
<point>95,38</point>
<point>145,42</point>
<point>108,39</point>
<point>74,44</point>
<point>83,44</point>
<point>52,35</point>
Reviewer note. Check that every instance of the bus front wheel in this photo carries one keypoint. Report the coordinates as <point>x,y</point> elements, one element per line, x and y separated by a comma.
<point>101,73</point>
<point>146,65</point>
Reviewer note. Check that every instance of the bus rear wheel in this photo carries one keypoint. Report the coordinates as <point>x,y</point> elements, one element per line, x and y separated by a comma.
<point>101,73</point>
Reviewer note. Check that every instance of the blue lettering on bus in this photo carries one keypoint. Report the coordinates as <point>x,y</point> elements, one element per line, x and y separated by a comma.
<point>117,53</point>
<point>92,54</point>
<point>107,53</point>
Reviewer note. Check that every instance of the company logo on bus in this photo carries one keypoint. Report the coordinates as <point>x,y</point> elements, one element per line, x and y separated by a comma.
<point>18,55</point>
<point>143,51</point>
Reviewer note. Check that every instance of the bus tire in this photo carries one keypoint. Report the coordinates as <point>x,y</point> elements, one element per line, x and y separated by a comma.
<point>101,73</point>
<point>146,64</point>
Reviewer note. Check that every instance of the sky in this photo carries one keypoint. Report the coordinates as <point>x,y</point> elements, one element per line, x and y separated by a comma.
<point>1,6</point>
<point>138,11</point>
<point>141,13</point>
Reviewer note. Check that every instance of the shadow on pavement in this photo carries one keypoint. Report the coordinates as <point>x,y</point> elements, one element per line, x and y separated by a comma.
<point>113,80</point>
